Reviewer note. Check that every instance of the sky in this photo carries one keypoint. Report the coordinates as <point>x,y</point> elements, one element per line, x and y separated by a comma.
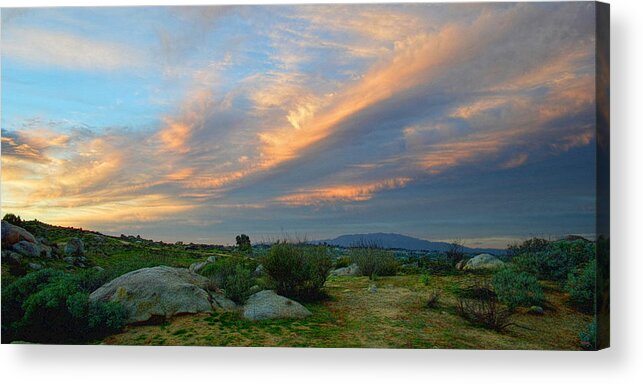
<point>441,121</point>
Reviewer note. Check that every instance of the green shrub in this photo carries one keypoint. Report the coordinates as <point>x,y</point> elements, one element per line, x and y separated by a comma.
<point>374,261</point>
<point>234,275</point>
<point>53,307</point>
<point>588,336</point>
<point>581,287</point>
<point>342,262</point>
<point>557,260</point>
<point>298,271</point>
<point>439,267</point>
<point>12,219</point>
<point>517,289</point>
<point>425,279</point>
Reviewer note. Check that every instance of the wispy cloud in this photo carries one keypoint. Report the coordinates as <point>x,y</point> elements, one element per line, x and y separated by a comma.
<point>42,47</point>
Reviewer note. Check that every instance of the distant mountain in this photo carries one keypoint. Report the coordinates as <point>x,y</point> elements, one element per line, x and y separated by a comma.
<point>397,241</point>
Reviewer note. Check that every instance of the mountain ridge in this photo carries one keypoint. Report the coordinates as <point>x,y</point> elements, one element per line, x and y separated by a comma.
<point>398,241</point>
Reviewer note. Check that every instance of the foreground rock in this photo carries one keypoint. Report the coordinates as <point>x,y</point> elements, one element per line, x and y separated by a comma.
<point>267,305</point>
<point>351,270</point>
<point>158,292</point>
<point>483,261</point>
<point>12,234</point>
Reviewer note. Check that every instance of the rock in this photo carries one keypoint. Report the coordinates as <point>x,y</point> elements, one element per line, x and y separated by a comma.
<point>259,270</point>
<point>98,268</point>
<point>254,289</point>
<point>35,266</point>
<point>12,234</point>
<point>536,310</point>
<point>372,288</point>
<point>75,247</point>
<point>27,248</point>
<point>483,261</point>
<point>45,251</point>
<point>222,302</point>
<point>70,260</point>
<point>351,270</point>
<point>11,258</point>
<point>197,267</point>
<point>266,305</point>
<point>459,265</point>
<point>211,259</point>
<point>158,292</point>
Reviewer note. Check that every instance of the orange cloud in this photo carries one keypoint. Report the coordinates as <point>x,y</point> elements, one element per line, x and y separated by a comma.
<point>341,193</point>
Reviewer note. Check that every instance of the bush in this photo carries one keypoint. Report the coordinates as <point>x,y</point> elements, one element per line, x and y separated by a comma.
<point>517,289</point>
<point>425,279</point>
<point>373,261</point>
<point>12,219</point>
<point>342,262</point>
<point>433,301</point>
<point>581,287</point>
<point>52,307</point>
<point>528,246</point>
<point>557,260</point>
<point>298,271</point>
<point>588,336</point>
<point>439,267</point>
<point>484,309</point>
<point>234,275</point>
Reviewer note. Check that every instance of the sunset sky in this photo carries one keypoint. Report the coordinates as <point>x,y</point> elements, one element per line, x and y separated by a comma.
<point>469,121</point>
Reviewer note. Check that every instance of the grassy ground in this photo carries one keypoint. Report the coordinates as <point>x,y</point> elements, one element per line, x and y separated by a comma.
<point>393,317</point>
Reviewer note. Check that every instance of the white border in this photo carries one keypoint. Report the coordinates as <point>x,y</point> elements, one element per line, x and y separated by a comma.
<point>620,364</point>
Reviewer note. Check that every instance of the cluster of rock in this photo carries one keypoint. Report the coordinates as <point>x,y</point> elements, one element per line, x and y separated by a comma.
<point>18,243</point>
<point>150,294</point>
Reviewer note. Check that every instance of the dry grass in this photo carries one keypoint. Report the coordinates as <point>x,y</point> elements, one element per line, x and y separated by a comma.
<point>393,317</point>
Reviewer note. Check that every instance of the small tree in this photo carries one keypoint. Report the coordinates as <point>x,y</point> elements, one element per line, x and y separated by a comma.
<point>12,219</point>
<point>243,243</point>
<point>455,253</point>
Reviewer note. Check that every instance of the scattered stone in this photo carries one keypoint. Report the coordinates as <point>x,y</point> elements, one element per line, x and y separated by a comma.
<point>70,260</point>
<point>259,270</point>
<point>75,247</point>
<point>536,310</point>
<point>158,292</point>
<point>372,288</point>
<point>267,305</point>
<point>460,264</point>
<point>27,248</point>
<point>351,270</point>
<point>483,261</point>
<point>35,266</point>
<point>211,259</point>
<point>11,258</point>
<point>98,268</point>
<point>12,234</point>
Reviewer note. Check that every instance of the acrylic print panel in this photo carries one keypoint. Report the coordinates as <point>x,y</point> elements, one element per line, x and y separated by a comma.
<point>371,176</point>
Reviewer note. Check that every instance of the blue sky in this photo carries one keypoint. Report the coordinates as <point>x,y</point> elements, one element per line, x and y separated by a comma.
<point>442,121</point>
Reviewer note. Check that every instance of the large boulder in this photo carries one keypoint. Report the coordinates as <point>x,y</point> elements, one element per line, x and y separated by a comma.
<point>158,292</point>
<point>267,305</point>
<point>75,247</point>
<point>483,261</point>
<point>12,234</point>
<point>351,270</point>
